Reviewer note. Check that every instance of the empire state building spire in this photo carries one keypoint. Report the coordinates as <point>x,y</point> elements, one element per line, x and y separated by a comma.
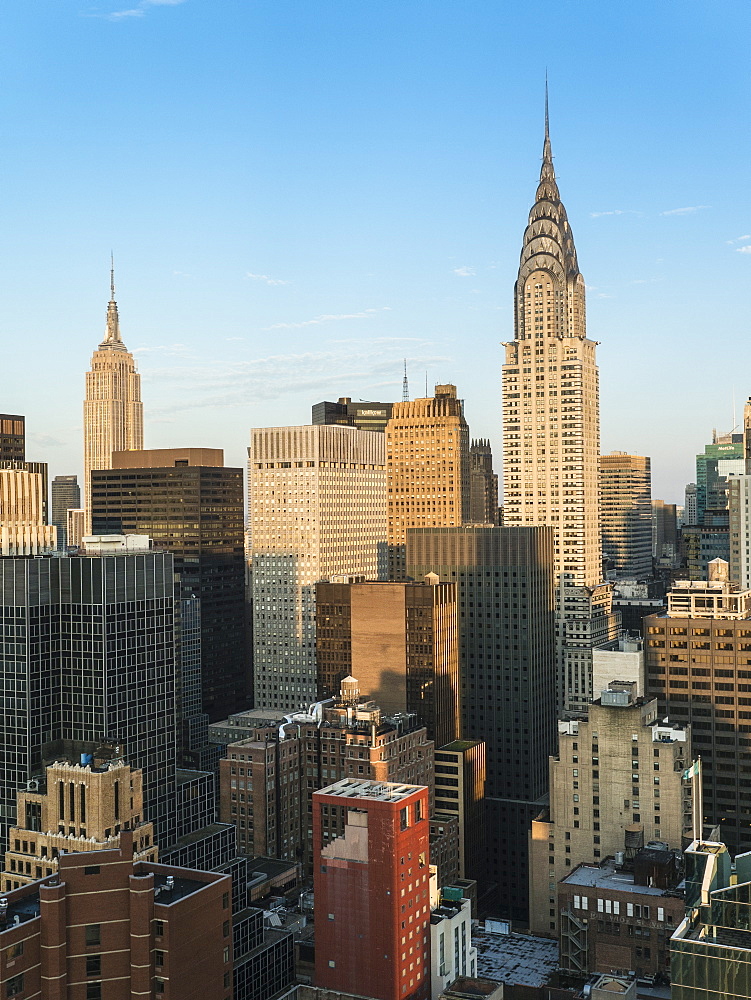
<point>112,410</point>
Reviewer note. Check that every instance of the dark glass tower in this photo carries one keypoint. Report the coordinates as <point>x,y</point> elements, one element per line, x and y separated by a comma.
<point>507,660</point>
<point>192,506</point>
<point>12,437</point>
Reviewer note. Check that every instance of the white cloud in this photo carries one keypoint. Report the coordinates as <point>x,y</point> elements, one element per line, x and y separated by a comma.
<point>142,8</point>
<point>746,249</point>
<point>615,211</point>
<point>328,318</point>
<point>739,239</point>
<point>266,279</point>
<point>688,210</point>
<point>170,350</point>
<point>464,272</point>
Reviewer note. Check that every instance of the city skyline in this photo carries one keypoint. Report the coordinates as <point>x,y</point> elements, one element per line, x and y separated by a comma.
<point>279,251</point>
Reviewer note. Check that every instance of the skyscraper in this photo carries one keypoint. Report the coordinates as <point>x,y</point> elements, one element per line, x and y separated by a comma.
<point>66,495</point>
<point>506,601</point>
<point>724,457</point>
<point>413,627</point>
<point>626,501</point>
<point>551,430</point>
<point>364,415</point>
<point>371,884</point>
<point>317,509</point>
<point>112,410</point>
<point>483,484</point>
<point>191,505</point>
<point>23,531</point>
<point>427,458</point>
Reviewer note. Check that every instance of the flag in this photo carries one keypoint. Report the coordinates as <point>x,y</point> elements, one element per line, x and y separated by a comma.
<point>691,772</point>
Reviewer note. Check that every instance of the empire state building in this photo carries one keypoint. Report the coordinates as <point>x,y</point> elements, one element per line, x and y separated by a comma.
<point>112,410</point>
<point>551,430</point>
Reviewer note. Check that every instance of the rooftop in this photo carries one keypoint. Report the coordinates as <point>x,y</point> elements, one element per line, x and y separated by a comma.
<point>166,893</point>
<point>381,791</point>
<point>607,876</point>
<point>460,745</point>
<point>516,959</point>
<point>20,910</point>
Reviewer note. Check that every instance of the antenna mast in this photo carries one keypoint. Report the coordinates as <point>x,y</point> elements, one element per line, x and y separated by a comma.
<point>405,384</point>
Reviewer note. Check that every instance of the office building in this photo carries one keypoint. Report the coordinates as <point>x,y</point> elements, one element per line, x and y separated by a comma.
<point>400,640</point>
<point>504,578</point>
<point>634,601</point>
<point>703,543</point>
<point>551,432</point>
<point>698,663</point>
<point>460,791</point>
<point>23,531</point>
<point>723,458</point>
<point>711,949</point>
<point>739,504</point>
<point>112,410</point>
<point>12,437</point>
<point>75,527</point>
<point>110,926</point>
<point>427,457</point>
<point>371,844</point>
<point>66,495</point>
<point>483,484</point>
<point>626,515</point>
<point>317,509</point>
<point>191,505</point>
<point>76,807</point>
<point>665,532</point>
<point>620,916</point>
<point>444,846</point>
<point>122,689</point>
<point>350,739</point>
<point>365,416</point>
<point>616,783</point>
<point>689,507</point>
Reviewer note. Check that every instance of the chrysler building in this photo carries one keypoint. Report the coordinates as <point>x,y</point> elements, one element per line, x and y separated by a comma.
<point>551,431</point>
<point>112,410</point>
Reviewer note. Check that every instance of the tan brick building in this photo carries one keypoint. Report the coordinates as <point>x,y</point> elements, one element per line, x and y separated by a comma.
<point>401,642</point>
<point>617,780</point>
<point>79,807</point>
<point>427,464</point>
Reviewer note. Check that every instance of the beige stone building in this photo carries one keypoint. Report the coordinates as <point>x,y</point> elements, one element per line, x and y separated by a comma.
<point>427,458</point>
<point>112,411</point>
<point>77,807</point>
<point>22,528</point>
<point>551,430</point>
<point>401,642</point>
<point>316,509</point>
<point>615,785</point>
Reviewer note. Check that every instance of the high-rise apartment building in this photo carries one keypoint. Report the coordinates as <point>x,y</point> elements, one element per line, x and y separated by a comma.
<point>317,509</point>
<point>109,620</point>
<point>626,515</point>
<point>698,664</point>
<point>110,926</point>
<point>23,531</point>
<point>112,411</point>
<point>551,431</point>
<point>401,642</point>
<point>460,774</point>
<point>507,668</point>
<point>690,504</point>
<point>365,416</point>
<point>483,484</point>
<point>12,437</point>
<point>616,783</point>
<point>191,505</point>
<point>76,807</point>
<point>75,527</point>
<point>427,457</point>
<point>372,889</point>
<point>739,502</point>
<point>66,495</point>
<point>351,739</point>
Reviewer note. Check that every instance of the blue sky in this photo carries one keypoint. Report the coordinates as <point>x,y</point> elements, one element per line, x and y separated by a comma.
<point>300,193</point>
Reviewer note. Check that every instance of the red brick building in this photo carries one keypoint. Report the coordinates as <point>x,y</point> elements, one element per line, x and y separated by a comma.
<point>371,881</point>
<point>107,927</point>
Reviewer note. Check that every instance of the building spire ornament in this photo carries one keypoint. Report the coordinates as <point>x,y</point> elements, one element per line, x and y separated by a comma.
<point>112,335</point>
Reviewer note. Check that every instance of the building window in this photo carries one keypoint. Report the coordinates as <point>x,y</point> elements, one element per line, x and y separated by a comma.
<point>93,991</point>
<point>93,965</point>
<point>158,928</point>
<point>93,934</point>
<point>91,870</point>
<point>14,986</point>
